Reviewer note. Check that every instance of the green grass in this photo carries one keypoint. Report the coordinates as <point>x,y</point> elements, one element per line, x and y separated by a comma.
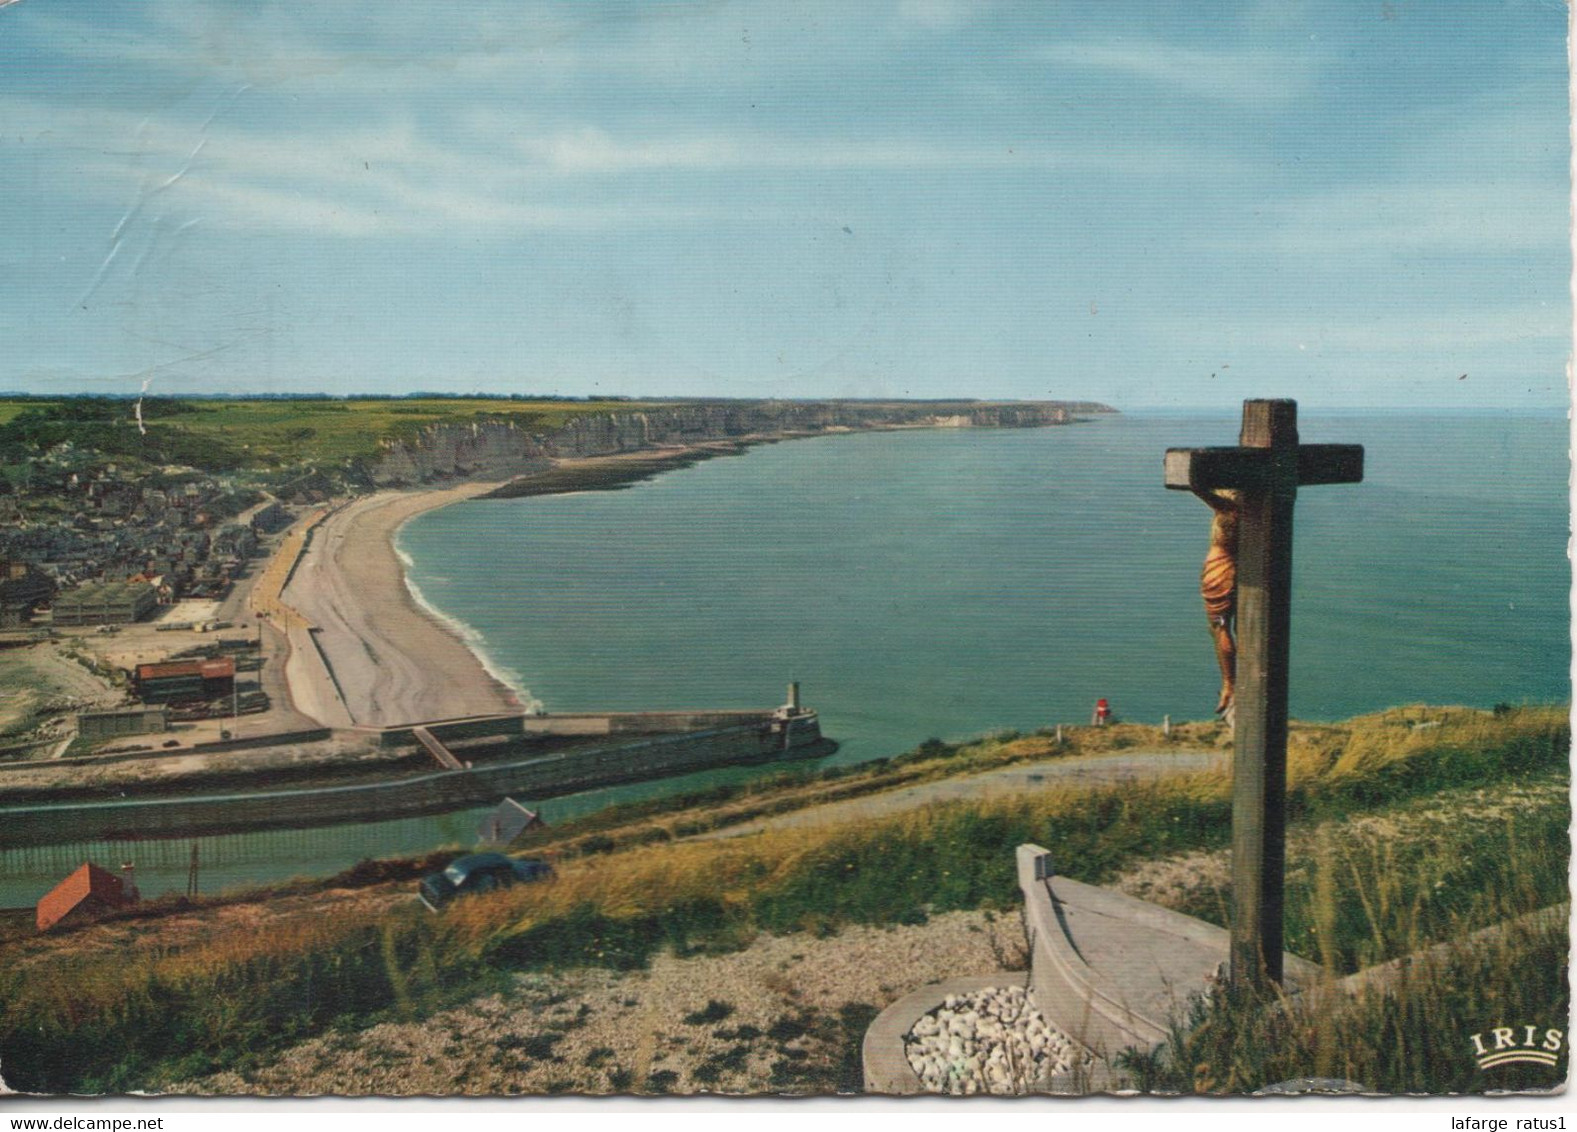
<point>227,435</point>
<point>1413,1036</point>
<point>1360,891</point>
<point>329,432</point>
<point>10,410</point>
<point>170,1010</point>
<point>1452,876</point>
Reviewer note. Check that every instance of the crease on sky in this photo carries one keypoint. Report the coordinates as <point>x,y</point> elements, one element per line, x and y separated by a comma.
<point>401,182</point>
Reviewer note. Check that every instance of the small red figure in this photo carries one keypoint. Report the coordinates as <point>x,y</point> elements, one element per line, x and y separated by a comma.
<point>1103,713</point>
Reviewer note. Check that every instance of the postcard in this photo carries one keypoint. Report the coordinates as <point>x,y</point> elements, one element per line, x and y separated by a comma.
<point>909,549</point>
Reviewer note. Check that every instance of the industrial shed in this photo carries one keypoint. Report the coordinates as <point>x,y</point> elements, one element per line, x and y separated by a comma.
<point>106,603</point>
<point>96,725</point>
<point>185,680</point>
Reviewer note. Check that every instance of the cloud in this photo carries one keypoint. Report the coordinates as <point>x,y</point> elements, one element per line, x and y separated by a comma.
<point>357,182</point>
<point>491,172</point>
<point>1247,76</point>
<point>486,48</point>
<point>589,150</point>
<point>359,46</point>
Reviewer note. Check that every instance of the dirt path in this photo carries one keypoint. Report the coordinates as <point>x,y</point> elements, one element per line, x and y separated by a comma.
<point>1091,770</point>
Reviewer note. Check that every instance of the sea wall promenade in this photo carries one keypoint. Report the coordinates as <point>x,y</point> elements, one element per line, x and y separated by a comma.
<point>639,746</point>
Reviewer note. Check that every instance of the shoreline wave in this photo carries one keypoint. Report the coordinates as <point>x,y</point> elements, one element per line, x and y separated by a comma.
<point>466,634</point>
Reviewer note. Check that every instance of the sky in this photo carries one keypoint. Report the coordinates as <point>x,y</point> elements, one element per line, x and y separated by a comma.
<point>1148,204</point>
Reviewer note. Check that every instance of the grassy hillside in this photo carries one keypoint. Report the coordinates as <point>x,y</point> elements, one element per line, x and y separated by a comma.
<point>9,410</point>
<point>165,1006</point>
<point>336,431</point>
<point>226,435</point>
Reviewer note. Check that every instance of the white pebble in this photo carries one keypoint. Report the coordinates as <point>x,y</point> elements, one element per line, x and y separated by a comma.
<point>992,1041</point>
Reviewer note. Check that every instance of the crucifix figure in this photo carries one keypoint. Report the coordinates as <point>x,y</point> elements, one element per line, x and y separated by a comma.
<point>1263,474</point>
<point>1218,586</point>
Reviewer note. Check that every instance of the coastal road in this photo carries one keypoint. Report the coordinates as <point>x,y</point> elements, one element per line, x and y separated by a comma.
<point>1087,770</point>
<point>282,714</point>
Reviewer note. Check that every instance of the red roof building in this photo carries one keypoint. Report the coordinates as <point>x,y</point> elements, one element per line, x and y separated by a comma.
<point>86,893</point>
<point>205,669</point>
<point>185,680</point>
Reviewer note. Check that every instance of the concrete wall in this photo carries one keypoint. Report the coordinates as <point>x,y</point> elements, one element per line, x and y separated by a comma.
<point>1069,992</point>
<point>277,739</point>
<point>568,725</point>
<point>544,776</point>
<point>453,730</point>
<point>309,736</point>
<point>634,722</point>
<point>1111,970</point>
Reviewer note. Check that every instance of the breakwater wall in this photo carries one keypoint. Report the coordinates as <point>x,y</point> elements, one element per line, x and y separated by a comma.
<point>627,723</point>
<point>759,738</point>
<point>515,725</point>
<point>144,753</point>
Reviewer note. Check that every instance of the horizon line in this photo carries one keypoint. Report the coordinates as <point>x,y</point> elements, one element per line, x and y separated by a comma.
<point>433,395</point>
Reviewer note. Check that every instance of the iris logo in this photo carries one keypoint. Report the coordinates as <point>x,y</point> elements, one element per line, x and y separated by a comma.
<point>1506,1045</point>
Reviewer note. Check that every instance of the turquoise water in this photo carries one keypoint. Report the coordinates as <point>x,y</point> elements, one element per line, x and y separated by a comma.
<point>951,582</point>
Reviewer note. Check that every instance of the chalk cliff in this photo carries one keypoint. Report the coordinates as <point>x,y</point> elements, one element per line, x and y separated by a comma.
<point>500,449</point>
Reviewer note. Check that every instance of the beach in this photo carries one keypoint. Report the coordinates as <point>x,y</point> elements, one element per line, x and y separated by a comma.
<point>388,660</point>
<point>374,656</point>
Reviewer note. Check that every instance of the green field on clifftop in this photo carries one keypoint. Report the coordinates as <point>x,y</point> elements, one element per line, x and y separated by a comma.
<point>263,433</point>
<point>222,435</point>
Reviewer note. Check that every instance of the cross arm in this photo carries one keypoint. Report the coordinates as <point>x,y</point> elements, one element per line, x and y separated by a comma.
<point>1249,469</point>
<point>1330,463</point>
<point>1209,469</point>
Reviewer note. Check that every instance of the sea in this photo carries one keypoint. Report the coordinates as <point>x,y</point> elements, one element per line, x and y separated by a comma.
<point>948,583</point>
<point>945,583</point>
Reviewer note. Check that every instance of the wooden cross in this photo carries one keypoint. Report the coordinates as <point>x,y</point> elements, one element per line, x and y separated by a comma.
<point>1267,467</point>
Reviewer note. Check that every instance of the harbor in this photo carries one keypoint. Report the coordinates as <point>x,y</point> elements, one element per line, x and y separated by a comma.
<point>636,746</point>
<point>215,863</point>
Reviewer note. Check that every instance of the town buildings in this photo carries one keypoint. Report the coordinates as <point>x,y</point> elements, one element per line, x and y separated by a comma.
<point>74,519</point>
<point>106,603</point>
<point>23,588</point>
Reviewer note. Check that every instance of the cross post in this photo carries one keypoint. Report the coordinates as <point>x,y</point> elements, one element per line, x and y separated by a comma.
<point>1266,468</point>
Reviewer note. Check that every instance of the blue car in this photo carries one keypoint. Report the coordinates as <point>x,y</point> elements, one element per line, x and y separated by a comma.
<point>480,872</point>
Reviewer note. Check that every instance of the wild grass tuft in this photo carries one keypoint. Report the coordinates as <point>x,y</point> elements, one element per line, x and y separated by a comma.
<point>1409,1033</point>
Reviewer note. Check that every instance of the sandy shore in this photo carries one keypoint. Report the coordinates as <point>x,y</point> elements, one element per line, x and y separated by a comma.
<point>379,659</point>
<point>392,661</point>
